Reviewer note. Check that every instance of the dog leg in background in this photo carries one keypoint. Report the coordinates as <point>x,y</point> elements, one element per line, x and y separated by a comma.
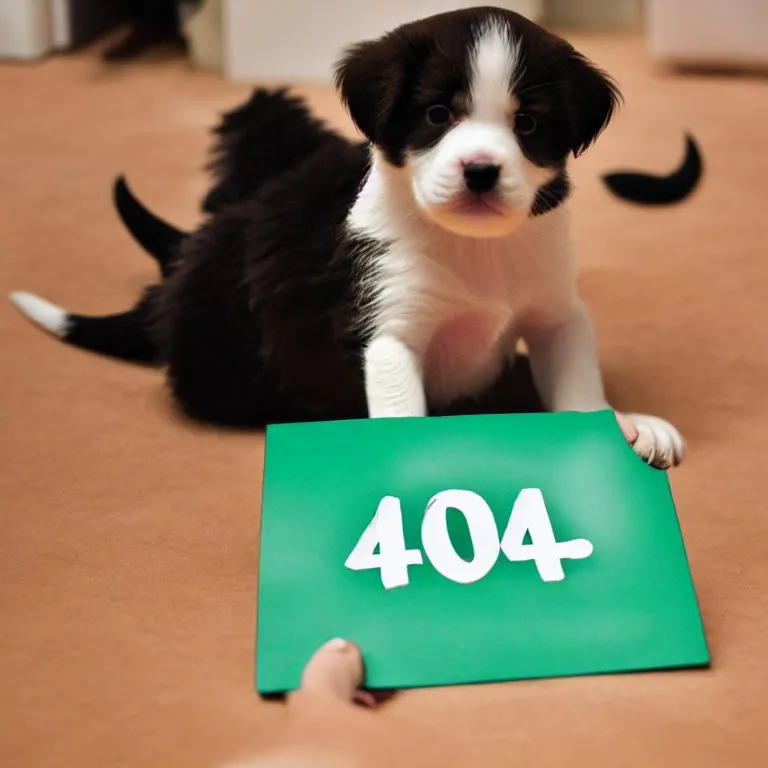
<point>567,374</point>
<point>393,382</point>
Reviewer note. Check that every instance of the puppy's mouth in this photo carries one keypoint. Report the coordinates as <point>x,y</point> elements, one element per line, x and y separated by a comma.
<point>478,205</point>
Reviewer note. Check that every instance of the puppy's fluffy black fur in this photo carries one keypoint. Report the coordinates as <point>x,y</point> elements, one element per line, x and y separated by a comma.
<point>257,317</point>
<point>256,324</point>
<point>269,135</point>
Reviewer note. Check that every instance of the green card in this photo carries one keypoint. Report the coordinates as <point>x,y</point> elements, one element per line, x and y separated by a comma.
<point>470,549</point>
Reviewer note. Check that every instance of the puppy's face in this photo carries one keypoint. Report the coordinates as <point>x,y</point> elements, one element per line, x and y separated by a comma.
<point>480,110</point>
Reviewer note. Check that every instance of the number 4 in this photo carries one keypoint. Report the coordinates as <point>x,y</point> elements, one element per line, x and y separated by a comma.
<point>529,514</point>
<point>385,531</point>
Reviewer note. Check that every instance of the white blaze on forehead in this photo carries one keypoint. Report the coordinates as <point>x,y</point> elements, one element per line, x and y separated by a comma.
<point>493,66</point>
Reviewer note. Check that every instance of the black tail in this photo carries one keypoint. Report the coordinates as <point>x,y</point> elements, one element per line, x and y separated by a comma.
<point>125,336</point>
<point>649,189</point>
<point>157,237</point>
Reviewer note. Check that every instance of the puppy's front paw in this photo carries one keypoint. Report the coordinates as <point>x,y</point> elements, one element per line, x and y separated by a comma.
<point>657,442</point>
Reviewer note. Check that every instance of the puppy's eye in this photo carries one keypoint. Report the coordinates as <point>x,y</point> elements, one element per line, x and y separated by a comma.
<point>439,115</point>
<point>525,125</point>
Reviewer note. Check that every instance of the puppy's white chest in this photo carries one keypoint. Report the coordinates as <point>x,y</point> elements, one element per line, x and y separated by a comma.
<point>456,303</point>
<point>463,356</point>
<point>455,313</point>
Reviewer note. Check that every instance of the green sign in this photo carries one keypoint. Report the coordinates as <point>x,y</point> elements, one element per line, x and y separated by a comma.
<point>470,549</point>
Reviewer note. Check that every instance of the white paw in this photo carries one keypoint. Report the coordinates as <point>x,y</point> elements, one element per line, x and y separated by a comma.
<point>658,442</point>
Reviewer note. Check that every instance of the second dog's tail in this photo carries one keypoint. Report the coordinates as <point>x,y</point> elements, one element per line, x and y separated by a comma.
<point>157,237</point>
<point>663,189</point>
<point>125,336</point>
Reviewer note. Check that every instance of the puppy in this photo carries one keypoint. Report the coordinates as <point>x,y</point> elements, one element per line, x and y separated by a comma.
<point>397,276</point>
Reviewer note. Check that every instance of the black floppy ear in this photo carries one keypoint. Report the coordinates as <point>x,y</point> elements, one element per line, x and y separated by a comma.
<point>368,80</point>
<point>592,98</point>
<point>373,81</point>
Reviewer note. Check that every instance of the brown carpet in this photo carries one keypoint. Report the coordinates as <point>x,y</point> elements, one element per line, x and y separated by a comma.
<point>128,548</point>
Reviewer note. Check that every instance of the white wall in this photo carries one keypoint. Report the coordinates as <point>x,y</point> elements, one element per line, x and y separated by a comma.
<point>301,39</point>
<point>25,28</point>
<point>709,32</point>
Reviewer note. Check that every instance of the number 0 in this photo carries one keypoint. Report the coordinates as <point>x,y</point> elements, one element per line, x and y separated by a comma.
<point>482,530</point>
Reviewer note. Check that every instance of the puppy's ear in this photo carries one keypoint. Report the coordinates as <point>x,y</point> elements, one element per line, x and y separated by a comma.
<point>371,79</point>
<point>591,100</point>
<point>368,83</point>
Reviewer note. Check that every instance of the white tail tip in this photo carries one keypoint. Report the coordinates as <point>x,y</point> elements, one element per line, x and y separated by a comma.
<point>48,316</point>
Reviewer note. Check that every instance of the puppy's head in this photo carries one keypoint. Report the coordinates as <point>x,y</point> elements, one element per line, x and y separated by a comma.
<point>480,109</point>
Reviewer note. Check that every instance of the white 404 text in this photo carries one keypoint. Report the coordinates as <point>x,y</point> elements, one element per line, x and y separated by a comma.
<point>528,516</point>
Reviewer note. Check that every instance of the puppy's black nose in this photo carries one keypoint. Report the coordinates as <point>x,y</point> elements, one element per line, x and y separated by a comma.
<point>481,177</point>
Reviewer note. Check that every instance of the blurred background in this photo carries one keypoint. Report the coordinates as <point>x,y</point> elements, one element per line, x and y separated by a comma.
<point>296,39</point>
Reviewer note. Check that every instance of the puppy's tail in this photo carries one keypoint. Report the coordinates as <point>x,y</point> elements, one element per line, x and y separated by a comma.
<point>155,236</point>
<point>650,189</point>
<point>125,336</point>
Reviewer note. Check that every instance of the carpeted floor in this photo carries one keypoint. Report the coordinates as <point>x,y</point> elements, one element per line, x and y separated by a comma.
<point>128,541</point>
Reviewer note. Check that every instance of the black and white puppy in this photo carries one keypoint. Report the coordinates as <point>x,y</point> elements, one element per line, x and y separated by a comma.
<point>397,276</point>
